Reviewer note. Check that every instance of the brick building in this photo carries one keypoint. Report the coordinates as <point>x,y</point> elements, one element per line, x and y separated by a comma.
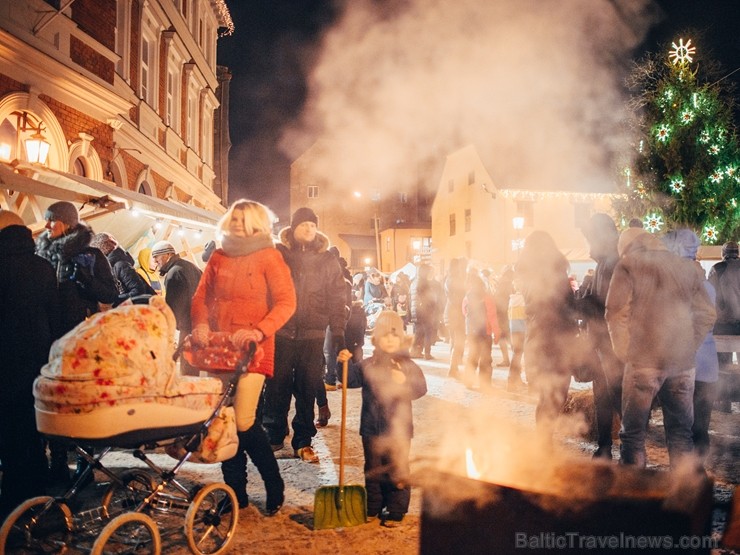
<point>129,99</point>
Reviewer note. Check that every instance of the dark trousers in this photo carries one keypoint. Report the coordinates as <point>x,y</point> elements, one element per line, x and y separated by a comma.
<point>386,475</point>
<point>607,393</point>
<point>479,358</point>
<point>25,469</point>
<point>705,393</point>
<point>425,332</point>
<point>298,373</point>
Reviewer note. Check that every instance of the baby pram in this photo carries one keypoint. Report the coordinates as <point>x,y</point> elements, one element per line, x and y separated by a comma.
<point>112,383</point>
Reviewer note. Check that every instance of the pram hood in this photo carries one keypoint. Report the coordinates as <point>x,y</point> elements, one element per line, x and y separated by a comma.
<point>131,344</point>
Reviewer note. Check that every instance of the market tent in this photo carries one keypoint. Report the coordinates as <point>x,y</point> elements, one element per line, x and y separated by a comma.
<point>135,219</point>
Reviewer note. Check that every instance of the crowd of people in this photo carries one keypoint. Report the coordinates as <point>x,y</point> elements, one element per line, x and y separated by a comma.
<point>648,311</point>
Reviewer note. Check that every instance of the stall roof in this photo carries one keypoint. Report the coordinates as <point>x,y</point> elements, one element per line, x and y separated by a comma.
<point>127,215</point>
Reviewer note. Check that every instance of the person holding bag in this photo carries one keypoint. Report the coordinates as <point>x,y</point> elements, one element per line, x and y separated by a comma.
<point>247,290</point>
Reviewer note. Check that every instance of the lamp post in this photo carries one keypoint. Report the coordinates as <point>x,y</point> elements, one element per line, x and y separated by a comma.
<point>376,223</point>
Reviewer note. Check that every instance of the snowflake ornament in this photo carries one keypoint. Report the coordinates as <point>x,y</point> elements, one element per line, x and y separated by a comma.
<point>713,150</point>
<point>662,133</point>
<point>653,222</point>
<point>681,54</point>
<point>687,116</point>
<point>677,185</point>
<point>716,176</point>
<point>710,233</point>
<point>730,171</point>
<point>704,137</point>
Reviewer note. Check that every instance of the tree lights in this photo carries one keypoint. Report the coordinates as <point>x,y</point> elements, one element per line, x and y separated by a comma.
<point>685,169</point>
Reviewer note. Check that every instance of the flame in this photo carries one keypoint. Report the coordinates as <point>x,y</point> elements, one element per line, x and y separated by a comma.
<point>470,467</point>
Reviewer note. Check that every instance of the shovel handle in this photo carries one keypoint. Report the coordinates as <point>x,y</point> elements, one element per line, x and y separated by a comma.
<point>345,366</point>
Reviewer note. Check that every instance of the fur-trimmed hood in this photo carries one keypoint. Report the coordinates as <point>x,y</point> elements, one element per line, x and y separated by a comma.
<point>319,244</point>
<point>63,248</point>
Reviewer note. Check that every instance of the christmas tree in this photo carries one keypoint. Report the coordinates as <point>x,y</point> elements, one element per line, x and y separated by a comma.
<point>685,173</point>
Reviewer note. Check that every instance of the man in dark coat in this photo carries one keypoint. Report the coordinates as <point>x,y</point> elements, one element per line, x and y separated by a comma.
<point>128,280</point>
<point>83,273</point>
<point>29,322</point>
<point>181,278</point>
<point>85,282</point>
<point>602,236</point>
<point>299,347</point>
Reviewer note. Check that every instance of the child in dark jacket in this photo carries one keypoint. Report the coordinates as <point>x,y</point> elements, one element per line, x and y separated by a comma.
<point>390,380</point>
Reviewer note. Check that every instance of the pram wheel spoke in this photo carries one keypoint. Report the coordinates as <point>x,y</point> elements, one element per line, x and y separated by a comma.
<point>38,525</point>
<point>118,498</point>
<point>208,529</point>
<point>129,533</point>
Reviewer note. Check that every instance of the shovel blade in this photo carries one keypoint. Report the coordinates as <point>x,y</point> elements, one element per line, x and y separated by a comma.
<point>339,507</point>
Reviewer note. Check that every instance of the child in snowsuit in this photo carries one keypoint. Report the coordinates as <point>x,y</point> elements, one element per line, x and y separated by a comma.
<point>390,380</point>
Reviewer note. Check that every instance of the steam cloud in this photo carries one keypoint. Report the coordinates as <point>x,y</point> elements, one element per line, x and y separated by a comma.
<point>534,85</point>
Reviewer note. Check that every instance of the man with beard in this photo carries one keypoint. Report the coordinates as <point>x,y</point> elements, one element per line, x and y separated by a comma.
<point>299,347</point>
<point>84,280</point>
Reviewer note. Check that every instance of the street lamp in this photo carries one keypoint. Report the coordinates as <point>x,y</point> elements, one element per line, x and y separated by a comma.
<point>37,147</point>
<point>376,222</point>
<point>518,223</point>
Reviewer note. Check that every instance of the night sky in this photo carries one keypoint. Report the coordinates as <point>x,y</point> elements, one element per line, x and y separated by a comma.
<point>276,42</point>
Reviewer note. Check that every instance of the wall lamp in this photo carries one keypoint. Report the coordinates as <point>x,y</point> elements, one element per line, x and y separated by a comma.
<point>37,147</point>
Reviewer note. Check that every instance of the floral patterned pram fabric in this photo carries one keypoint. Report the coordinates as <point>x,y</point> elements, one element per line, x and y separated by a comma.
<point>123,355</point>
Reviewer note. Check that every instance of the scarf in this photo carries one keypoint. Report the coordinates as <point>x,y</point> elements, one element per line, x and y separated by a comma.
<point>242,246</point>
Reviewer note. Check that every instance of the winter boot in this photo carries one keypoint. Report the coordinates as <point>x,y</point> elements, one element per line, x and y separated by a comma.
<point>324,415</point>
<point>234,471</point>
<point>257,446</point>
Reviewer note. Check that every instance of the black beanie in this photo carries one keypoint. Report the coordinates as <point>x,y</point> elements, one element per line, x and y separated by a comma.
<point>301,215</point>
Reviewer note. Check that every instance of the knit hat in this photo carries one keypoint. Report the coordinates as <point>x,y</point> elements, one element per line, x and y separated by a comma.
<point>64,212</point>
<point>8,218</point>
<point>387,322</point>
<point>105,242</point>
<point>627,236</point>
<point>730,250</point>
<point>301,215</point>
<point>163,247</point>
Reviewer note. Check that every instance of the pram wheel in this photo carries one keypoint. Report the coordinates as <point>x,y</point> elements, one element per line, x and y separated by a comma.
<point>208,529</point>
<point>129,533</point>
<point>119,499</point>
<point>38,525</point>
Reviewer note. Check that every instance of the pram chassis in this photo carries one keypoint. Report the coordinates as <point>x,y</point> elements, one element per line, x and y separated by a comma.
<point>127,519</point>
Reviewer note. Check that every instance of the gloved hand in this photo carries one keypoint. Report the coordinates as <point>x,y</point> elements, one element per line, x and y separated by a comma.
<point>338,342</point>
<point>241,337</point>
<point>200,334</point>
<point>343,355</point>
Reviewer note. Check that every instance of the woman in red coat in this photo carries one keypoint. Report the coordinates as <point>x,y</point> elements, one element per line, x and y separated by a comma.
<point>247,290</point>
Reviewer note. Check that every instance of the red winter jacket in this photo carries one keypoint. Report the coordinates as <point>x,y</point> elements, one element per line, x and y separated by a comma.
<point>246,292</point>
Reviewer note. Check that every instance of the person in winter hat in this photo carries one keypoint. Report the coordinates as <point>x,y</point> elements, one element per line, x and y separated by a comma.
<point>299,355</point>
<point>659,313</point>
<point>251,308</point>
<point>685,243</point>
<point>129,282</point>
<point>390,381</point>
<point>85,282</point>
<point>181,279</point>
<point>29,323</point>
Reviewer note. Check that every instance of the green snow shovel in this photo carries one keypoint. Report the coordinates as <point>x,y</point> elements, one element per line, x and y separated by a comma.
<point>340,506</point>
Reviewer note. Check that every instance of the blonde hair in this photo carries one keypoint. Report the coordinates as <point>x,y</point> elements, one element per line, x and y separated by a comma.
<point>257,217</point>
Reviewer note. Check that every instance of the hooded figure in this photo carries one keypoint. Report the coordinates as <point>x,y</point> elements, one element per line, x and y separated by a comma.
<point>658,313</point>
<point>146,271</point>
<point>685,243</point>
<point>129,282</point>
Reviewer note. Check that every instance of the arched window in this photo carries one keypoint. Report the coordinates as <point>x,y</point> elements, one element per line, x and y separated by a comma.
<point>79,167</point>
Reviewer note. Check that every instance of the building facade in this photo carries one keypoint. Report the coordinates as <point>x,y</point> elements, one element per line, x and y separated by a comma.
<point>473,218</point>
<point>125,93</point>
